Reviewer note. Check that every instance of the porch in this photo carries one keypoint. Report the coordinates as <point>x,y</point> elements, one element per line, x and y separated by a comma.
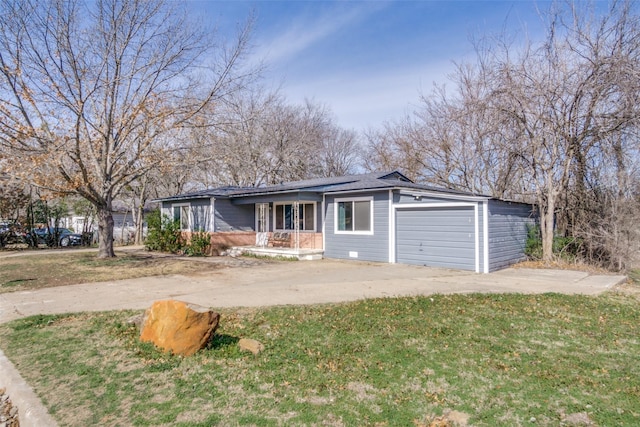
<point>301,246</point>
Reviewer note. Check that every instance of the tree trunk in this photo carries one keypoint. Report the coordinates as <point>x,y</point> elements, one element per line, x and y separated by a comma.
<point>105,233</point>
<point>139,220</point>
<point>547,220</point>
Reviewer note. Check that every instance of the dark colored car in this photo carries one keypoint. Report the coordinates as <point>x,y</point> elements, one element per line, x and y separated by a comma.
<point>64,236</point>
<point>10,233</point>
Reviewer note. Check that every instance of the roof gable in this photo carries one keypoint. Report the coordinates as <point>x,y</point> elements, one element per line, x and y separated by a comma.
<point>395,175</point>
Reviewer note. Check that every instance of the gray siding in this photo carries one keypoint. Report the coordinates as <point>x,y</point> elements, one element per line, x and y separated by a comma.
<point>507,232</point>
<point>319,217</point>
<point>230,217</point>
<point>436,237</point>
<point>368,247</point>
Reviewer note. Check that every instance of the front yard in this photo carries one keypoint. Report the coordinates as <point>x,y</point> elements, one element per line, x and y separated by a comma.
<point>484,360</point>
<point>480,360</point>
<point>62,268</point>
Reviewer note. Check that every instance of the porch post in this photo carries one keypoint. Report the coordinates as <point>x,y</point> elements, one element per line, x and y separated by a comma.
<point>296,225</point>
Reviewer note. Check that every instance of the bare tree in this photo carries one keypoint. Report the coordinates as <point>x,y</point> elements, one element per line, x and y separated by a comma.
<point>91,91</point>
<point>14,199</point>
<point>452,141</point>
<point>536,122</point>
<point>565,97</point>
<point>262,139</point>
<point>236,148</point>
<point>394,147</point>
<point>339,151</point>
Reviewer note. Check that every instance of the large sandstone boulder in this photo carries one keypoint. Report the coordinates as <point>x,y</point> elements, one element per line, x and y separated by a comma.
<point>178,327</point>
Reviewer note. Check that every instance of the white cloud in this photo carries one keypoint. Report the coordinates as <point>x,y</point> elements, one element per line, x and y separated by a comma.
<point>360,100</point>
<point>306,31</point>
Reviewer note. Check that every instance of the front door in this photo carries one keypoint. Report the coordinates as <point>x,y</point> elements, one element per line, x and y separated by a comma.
<point>262,224</point>
<point>262,217</point>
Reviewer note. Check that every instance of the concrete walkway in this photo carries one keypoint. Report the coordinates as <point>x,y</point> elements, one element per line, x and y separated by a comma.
<point>312,282</point>
<point>325,281</point>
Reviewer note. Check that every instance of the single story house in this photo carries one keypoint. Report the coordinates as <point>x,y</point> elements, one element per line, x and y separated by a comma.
<point>382,217</point>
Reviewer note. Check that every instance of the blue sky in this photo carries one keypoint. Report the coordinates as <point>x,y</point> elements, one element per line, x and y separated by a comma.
<point>369,61</point>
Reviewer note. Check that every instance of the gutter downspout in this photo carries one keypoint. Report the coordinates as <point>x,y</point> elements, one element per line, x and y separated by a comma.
<point>213,214</point>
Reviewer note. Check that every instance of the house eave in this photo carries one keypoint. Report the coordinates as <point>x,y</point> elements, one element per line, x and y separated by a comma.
<point>267,193</point>
<point>415,193</point>
<point>427,193</point>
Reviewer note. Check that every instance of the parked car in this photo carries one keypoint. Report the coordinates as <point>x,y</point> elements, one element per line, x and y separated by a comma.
<point>10,233</point>
<point>64,236</point>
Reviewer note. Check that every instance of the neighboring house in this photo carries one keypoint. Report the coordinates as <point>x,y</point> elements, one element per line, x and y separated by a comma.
<point>124,222</point>
<point>381,217</point>
<point>73,222</point>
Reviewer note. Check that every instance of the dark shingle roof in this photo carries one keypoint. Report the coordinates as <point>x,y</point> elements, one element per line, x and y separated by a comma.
<point>321,185</point>
<point>369,181</point>
<point>202,194</point>
<point>384,183</point>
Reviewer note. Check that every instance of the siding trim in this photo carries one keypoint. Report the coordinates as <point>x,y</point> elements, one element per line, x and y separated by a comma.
<point>485,234</point>
<point>364,190</point>
<point>324,221</point>
<point>396,206</point>
<point>477,236</point>
<point>392,227</point>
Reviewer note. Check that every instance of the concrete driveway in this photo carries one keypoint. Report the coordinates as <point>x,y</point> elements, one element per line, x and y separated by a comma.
<point>264,284</point>
<point>305,282</point>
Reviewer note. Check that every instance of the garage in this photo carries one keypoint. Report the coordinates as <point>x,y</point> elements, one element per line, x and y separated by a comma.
<point>437,237</point>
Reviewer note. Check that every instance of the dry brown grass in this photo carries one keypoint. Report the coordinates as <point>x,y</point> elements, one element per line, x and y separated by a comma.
<point>561,265</point>
<point>19,273</point>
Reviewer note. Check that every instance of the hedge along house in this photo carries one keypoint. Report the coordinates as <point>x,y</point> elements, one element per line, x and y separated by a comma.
<point>382,217</point>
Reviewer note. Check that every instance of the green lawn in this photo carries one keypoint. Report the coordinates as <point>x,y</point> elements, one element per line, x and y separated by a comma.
<point>500,359</point>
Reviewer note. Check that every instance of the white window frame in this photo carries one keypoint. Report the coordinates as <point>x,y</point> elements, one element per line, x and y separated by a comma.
<point>182,205</point>
<point>353,199</point>
<point>275,212</point>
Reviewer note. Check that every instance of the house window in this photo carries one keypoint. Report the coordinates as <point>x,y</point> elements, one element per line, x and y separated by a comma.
<point>354,216</point>
<point>285,217</point>
<point>181,214</point>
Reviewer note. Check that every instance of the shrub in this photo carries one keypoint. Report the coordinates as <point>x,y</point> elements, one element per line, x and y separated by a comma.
<point>164,234</point>
<point>533,247</point>
<point>565,248</point>
<point>199,244</point>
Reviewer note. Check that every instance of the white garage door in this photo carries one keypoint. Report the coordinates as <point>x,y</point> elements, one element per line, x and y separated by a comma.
<point>436,237</point>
